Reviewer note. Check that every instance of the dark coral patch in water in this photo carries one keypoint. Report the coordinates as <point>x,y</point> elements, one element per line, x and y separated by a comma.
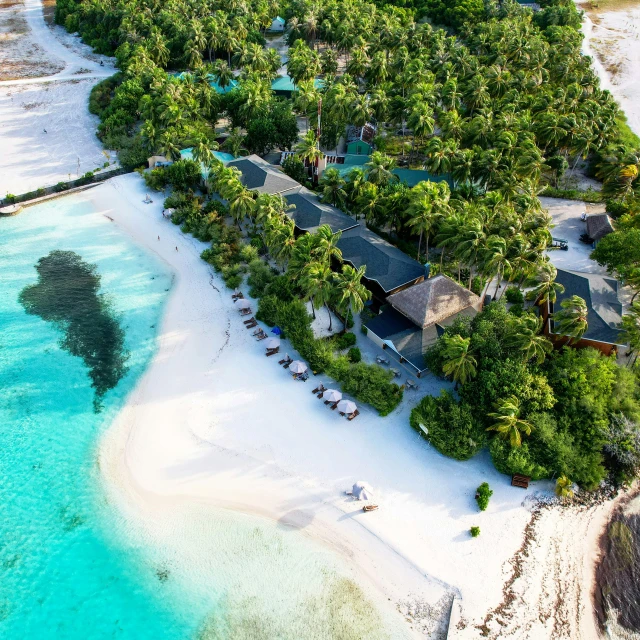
<point>66,294</point>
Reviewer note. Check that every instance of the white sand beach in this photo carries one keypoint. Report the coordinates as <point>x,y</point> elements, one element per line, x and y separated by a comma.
<point>46,131</point>
<point>612,39</point>
<point>213,423</point>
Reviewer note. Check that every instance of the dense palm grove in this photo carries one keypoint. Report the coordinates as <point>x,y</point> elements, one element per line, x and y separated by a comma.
<point>498,104</point>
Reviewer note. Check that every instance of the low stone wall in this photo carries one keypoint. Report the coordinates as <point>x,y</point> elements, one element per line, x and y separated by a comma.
<point>61,188</point>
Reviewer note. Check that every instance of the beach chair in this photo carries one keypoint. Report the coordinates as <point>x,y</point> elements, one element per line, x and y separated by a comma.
<point>334,406</point>
<point>320,388</point>
<point>370,507</point>
<point>262,336</point>
<point>252,325</point>
<point>238,295</point>
<point>355,414</point>
<point>251,319</point>
<point>282,361</point>
<point>343,414</point>
<point>272,352</point>
<point>286,364</point>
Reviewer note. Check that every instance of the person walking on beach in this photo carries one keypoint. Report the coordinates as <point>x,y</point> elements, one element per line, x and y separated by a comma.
<point>158,237</point>
<point>176,248</point>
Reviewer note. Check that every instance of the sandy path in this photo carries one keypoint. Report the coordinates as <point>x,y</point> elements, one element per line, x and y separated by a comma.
<point>215,421</point>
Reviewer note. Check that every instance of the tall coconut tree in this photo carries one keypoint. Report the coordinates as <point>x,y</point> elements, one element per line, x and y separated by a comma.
<point>459,362</point>
<point>317,283</point>
<point>507,421</point>
<point>308,148</point>
<point>571,320</point>
<point>525,336</point>
<point>352,294</point>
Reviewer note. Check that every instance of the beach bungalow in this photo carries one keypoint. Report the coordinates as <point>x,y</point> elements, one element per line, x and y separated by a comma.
<point>284,86</point>
<point>258,175</point>
<point>310,213</point>
<point>360,139</point>
<point>277,25</point>
<point>599,226</point>
<point>412,177</point>
<point>418,315</point>
<point>389,270</point>
<point>604,316</point>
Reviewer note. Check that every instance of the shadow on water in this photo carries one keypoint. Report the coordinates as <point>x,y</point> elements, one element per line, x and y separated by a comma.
<point>66,295</point>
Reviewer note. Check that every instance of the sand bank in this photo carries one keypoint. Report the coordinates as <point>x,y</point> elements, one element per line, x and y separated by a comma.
<point>215,423</point>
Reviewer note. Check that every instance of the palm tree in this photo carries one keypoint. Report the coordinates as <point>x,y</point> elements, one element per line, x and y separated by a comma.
<point>222,73</point>
<point>332,184</point>
<point>379,168</point>
<point>631,328</point>
<point>242,204</point>
<point>429,202</point>
<point>546,288</point>
<point>307,96</point>
<point>571,321</point>
<point>495,259</point>
<point>308,148</point>
<point>507,422</point>
<point>317,282</point>
<point>459,362</point>
<point>202,151</point>
<point>352,293</point>
<point>326,245</point>
<point>525,336</point>
<point>234,141</point>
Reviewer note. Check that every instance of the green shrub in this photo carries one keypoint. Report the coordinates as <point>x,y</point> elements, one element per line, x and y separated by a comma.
<point>516,310</point>
<point>474,531</point>
<point>514,295</point>
<point>184,174</point>
<point>260,275</point>
<point>354,354</point>
<point>345,340</point>
<point>483,493</point>
<point>371,384</point>
<point>477,285</point>
<point>449,426</point>
<point>10,198</point>
<point>61,186</point>
<point>156,179</point>
<point>40,192</point>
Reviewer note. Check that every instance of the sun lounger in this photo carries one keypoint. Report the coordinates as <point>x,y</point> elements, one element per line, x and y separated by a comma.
<point>343,414</point>
<point>282,361</point>
<point>355,414</point>
<point>262,336</point>
<point>334,406</point>
<point>327,401</point>
<point>286,364</point>
<point>320,388</point>
<point>272,352</point>
<point>252,325</point>
<point>370,507</point>
<point>251,319</point>
<point>237,296</point>
<point>258,332</point>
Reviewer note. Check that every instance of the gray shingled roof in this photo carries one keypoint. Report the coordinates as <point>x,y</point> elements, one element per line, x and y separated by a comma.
<point>258,175</point>
<point>601,295</point>
<point>599,226</point>
<point>433,300</point>
<point>386,264</point>
<point>310,213</point>
<point>410,341</point>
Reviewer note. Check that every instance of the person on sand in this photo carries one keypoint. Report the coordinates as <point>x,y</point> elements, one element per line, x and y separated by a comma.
<point>176,248</point>
<point>158,237</point>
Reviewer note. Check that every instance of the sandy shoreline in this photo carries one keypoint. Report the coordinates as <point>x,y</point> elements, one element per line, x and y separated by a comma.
<point>612,39</point>
<point>215,423</point>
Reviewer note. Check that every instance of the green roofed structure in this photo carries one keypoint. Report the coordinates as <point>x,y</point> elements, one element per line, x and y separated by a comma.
<point>285,87</point>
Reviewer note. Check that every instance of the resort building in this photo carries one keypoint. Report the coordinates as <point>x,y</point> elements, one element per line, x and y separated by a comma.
<point>310,213</point>
<point>360,140</point>
<point>604,310</point>
<point>258,175</point>
<point>388,269</point>
<point>599,226</point>
<point>418,315</point>
<point>277,25</point>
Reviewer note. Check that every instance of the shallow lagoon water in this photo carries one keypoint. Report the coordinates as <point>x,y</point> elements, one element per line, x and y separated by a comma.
<point>74,566</point>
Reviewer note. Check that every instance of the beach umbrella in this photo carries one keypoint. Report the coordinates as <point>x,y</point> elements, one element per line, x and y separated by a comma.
<point>332,395</point>
<point>297,367</point>
<point>276,330</point>
<point>242,303</point>
<point>272,343</point>
<point>346,406</point>
<point>362,491</point>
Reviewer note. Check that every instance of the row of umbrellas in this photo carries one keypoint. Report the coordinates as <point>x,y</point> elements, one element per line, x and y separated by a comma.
<point>297,366</point>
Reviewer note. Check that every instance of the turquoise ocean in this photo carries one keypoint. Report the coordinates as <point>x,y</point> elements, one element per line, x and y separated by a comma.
<point>68,569</point>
